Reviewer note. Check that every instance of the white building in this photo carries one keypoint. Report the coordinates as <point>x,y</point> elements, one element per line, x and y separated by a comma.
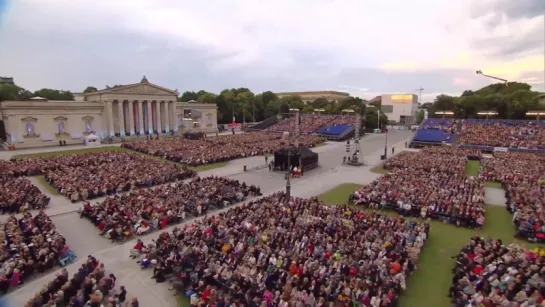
<point>400,108</point>
<point>129,111</point>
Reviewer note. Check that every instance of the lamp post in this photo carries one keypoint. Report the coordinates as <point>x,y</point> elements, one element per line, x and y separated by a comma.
<point>288,183</point>
<point>386,145</point>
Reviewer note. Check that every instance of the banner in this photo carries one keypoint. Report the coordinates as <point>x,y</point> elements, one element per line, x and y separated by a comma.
<point>502,149</point>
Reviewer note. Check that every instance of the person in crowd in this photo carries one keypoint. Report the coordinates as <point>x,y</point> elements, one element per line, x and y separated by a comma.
<point>141,211</point>
<point>488,273</point>
<point>280,251</point>
<point>428,184</point>
<point>30,245</point>
<point>219,149</point>
<point>521,175</point>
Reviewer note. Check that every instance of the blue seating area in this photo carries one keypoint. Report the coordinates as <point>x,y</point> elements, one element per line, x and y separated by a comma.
<point>433,135</point>
<point>334,130</point>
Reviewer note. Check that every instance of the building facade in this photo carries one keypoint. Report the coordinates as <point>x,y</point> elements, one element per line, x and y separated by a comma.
<point>400,108</point>
<point>333,96</point>
<point>6,80</point>
<point>131,111</point>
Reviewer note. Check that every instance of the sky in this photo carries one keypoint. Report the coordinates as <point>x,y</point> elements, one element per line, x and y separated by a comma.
<point>364,47</point>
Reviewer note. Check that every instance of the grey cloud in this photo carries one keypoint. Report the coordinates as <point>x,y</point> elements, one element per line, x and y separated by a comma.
<point>518,9</point>
<point>531,42</point>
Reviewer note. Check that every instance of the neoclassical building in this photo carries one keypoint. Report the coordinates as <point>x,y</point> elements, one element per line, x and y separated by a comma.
<point>130,111</point>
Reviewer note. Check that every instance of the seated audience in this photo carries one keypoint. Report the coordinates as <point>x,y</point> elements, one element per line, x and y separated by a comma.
<point>29,245</point>
<point>90,286</point>
<point>141,211</point>
<point>310,123</point>
<point>522,176</point>
<point>428,184</point>
<point>121,172</point>
<point>504,133</point>
<point>298,252</point>
<point>488,274</point>
<point>219,149</point>
<point>19,194</point>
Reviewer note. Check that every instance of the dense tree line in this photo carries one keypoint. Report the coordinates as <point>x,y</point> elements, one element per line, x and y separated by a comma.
<point>510,102</point>
<point>241,104</point>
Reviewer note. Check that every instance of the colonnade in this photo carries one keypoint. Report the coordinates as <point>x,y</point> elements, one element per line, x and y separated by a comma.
<point>140,117</point>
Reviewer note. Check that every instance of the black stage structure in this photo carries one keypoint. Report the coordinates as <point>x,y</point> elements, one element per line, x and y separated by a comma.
<point>295,157</point>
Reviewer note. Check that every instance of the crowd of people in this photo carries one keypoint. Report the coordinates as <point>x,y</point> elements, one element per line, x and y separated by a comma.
<point>220,149</point>
<point>522,176</point>
<point>30,245</point>
<point>122,172</point>
<point>280,251</point>
<point>516,134</point>
<point>428,184</point>
<point>91,175</point>
<point>494,133</point>
<point>310,123</point>
<point>19,195</point>
<point>489,274</point>
<point>141,211</point>
<point>91,286</point>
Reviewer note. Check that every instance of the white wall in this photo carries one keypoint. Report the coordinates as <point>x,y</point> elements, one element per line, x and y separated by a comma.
<point>400,109</point>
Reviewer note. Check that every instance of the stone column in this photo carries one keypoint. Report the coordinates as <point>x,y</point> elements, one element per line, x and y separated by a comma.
<point>108,114</point>
<point>164,115</point>
<point>150,123</point>
<point>140,111</point>
<point>174,116</point>
<point>121,118</point>
<point>131,117</point>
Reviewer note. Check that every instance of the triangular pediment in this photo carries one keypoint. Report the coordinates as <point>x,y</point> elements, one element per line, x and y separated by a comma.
<point>139,88</point>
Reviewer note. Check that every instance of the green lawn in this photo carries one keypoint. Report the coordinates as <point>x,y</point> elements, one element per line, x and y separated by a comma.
<point>49,188</point>
<point>493,184</point>
<point>473,168</point>
<point>429,285</point>
<point>379,169</point>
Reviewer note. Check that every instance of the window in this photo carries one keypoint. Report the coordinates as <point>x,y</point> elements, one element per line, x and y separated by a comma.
<point>387,109</point>
<point>209,120</point>
<point>88,126</point>
<point>29,128</point>
<point>60,127</point>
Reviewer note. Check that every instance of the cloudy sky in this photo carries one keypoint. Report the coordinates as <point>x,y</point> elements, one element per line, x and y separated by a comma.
<point>365,47</point>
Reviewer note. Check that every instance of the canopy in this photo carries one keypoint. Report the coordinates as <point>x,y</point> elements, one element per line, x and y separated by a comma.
<point>92,140</point>
<point>300,157</point>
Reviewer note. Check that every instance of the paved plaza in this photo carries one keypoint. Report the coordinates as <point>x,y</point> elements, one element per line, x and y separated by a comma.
<point>83,239</point>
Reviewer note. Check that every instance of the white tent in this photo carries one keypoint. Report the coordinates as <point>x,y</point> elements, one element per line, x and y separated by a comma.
<point>92,140</point>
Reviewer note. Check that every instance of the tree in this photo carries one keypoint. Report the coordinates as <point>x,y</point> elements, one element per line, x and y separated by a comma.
<point>510,102</point>
<point>206,98</point>
<point>13,92</point>
<point>90,89</point>
<point>420,114</point>
<point>51,94</point>
<point>187,96</point>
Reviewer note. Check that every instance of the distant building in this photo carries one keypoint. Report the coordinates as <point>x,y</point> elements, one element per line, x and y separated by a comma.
<point>400,108</point>
<point>6,80</point>
<point>333,96</point>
